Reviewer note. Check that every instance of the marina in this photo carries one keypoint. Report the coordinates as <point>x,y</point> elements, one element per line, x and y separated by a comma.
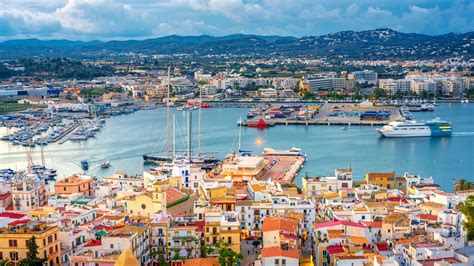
<point>124,139</point>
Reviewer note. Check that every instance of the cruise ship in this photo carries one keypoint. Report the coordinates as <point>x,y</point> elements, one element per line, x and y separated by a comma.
<point>432,128</point>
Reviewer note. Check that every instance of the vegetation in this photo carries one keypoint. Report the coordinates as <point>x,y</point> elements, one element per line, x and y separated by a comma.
<point>5,72</point>
<point>56,68</point>
<point>470,93</point>
<point>6,107</point>
<point>467,208</point>
<point>32,258</point>
<point>463,184</point>
<point>6,263</point>
<point>227,257</point>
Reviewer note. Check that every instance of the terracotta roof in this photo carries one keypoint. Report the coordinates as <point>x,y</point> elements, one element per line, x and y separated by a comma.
<point>93,243</point>
<point>373,224</point>
<point>18,222</point>
<point>269,252</point>
<point>280,224</point>
<point>12,215</point>
<point>428,217</point>
<point>335,223</point>
<point>335,249</point>
<point>173,195</point>
<point>201,262</point>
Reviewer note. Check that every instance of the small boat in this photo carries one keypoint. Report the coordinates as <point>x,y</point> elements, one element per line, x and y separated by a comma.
<point>343,128</point>
<point>84,165</point>
<point>260,124</point>
<point>105,164</point>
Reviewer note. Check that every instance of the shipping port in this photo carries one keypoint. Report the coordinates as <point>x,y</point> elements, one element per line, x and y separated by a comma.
<point>346,114</point>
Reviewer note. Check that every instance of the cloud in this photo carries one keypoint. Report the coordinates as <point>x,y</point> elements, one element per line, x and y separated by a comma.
<point>124,19</point>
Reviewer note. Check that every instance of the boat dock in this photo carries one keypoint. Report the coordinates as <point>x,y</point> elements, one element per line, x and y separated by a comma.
<point>66,134</point>
<point>281,169</point>
<point>342,114</point>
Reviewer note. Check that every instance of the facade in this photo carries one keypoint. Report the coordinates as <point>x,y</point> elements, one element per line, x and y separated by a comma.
<point>74,184</point>
<point>13,241</point>
<point>28,194</point>
<point>387,181</point>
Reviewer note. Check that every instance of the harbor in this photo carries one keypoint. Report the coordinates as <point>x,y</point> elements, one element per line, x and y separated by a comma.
<point>345,114</point>
<point>124,139</point>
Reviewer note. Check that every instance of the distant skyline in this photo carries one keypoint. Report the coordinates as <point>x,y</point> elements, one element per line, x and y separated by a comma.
<point>141,19</point>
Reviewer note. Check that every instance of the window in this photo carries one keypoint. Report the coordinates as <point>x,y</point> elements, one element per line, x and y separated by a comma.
<point>283,262</point>
<point>1,255</point>
<point>111,246</point>
<point>64,188</point>
<point>229,240</point>
<point>277,262</point>
<point>14,255</point>
<point>12,243</point>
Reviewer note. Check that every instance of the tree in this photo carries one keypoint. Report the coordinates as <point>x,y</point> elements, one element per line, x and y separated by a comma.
<point>467,208</point>
<point>32,258</point>
<point>227,257</point>
<point>205,250</point>
<point>463,184</point>
<point>378,93</point>
<point>6,263</point>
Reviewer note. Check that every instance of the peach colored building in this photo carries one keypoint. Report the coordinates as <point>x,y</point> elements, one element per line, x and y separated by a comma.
<point>74,184</point>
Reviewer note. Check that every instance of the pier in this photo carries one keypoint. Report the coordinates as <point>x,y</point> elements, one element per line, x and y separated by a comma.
<point>66,134</point>
<point>328,114</point>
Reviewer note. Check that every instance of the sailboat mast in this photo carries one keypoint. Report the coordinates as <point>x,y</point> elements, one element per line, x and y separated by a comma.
<point>190,115</point>
<point>168,116</point>
<point>174,136</point>
<point>42,157</point>
<point>199,120</point>
<point>240,132</point>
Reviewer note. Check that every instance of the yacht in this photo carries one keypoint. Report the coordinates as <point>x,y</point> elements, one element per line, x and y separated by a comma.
<point>432,128</point>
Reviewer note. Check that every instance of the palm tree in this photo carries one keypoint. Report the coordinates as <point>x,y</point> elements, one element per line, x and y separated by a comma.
<point>462,184</point>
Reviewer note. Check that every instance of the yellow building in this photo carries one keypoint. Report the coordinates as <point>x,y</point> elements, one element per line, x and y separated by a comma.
<point>222,227</point>
<point>41,212</point>
<point>147,204</point>
<point>387,181</point>
<point>13,241</point>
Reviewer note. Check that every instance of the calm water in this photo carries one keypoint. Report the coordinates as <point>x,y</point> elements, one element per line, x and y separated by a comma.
<point>125,138</point>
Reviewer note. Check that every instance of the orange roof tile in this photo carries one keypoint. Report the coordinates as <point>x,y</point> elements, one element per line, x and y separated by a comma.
<point>279,223</point>
<point>277,251</point>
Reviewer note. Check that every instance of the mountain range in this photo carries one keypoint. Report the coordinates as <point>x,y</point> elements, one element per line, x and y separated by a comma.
<point>370,44</point>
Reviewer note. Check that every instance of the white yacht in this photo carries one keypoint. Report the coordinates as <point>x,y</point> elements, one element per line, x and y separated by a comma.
<point>432,128</point>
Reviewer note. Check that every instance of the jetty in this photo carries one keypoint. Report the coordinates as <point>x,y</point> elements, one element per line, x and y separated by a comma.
<point>328,114</point>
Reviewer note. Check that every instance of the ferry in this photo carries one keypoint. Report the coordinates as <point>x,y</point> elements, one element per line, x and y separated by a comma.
<point>432,128</point>
<point>291,152</point>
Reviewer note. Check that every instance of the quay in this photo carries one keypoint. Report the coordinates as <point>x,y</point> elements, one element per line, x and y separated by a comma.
<point>328,114</point>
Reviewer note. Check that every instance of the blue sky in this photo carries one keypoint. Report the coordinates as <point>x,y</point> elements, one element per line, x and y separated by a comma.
<point>139,19</point>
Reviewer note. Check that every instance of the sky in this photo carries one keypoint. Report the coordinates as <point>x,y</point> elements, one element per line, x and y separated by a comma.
<point>141,19</point>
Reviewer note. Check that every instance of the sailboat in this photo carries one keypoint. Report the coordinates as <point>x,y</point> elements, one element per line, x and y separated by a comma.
<point>170,157</point>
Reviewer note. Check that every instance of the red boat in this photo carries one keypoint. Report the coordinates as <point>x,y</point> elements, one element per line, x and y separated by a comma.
<point>205,105</point>
<point>260,124</point>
